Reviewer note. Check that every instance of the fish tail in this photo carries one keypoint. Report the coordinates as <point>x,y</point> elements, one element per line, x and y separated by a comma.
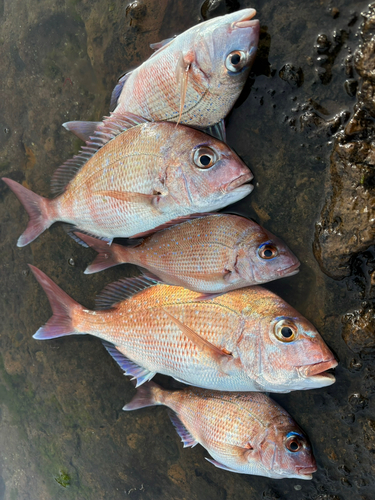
<point>148,394</point>
<point>60,324</point>
<point>38,209</point>
<point>107,255</point>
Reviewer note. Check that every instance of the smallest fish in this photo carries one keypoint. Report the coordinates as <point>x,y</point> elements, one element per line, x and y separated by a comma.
<point>243,432</point>
<point>212,254</point>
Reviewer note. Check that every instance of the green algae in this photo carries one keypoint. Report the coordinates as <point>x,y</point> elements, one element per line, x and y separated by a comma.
<point>63,479</point>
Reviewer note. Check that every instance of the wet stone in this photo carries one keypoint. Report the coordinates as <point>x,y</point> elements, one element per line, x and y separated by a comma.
<point>359,330</point>
<point>292,75</point>
<point>358,402</point>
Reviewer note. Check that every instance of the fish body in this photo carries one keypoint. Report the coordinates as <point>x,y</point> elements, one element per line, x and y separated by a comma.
<point>212,254</point>
<point>147,175</point>
<point>191,78</point>
<point>244,340</point>
<point>243,432</point>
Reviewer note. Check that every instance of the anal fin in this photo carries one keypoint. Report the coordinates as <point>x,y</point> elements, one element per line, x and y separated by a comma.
<point>138,373</point>
<point>184,434</point>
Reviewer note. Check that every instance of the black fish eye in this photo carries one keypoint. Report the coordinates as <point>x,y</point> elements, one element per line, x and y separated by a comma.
<point>235,59</point>
<point>205,160</point>
<point>267,251</point>
<point>293,446</point>
<point>286,332</point>
<point>204,157</point>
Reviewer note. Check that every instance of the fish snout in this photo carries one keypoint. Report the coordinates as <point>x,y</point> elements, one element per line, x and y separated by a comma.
<point>246,17</point>
<point>242,179</point>
<point>317,373</point>
<point>307,471</point>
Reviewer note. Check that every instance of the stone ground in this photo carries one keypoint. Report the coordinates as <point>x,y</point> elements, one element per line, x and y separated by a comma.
<point>62,432</point>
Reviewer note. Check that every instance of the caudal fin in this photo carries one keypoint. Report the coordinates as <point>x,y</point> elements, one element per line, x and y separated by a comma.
<point>108,255</point>
<point>146,395</point>
<point>38,209</point>
<point>60,324</point>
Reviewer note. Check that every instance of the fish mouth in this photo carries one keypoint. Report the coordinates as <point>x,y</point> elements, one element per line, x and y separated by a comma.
<point>239,182</point>
<point>290,271</point>
<point>318,371</point>
<point>246,21</point>
<point>306,472</point>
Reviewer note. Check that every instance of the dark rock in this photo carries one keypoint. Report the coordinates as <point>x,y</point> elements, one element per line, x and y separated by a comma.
<point>359,330</point>
<point>292,75</point>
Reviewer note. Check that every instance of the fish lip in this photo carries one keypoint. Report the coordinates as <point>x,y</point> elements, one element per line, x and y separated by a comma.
<point>246,18</point>
<point>240,181</point>
<point>290,271</point>
<point>306,472</point>
<point>319,369</point>
<point>253,23</point>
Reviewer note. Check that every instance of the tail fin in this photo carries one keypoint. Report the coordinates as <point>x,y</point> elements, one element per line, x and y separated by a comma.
<point>62,306</point>
<point>37,208</point>
<point>146,395</point>
<point>108,255</point>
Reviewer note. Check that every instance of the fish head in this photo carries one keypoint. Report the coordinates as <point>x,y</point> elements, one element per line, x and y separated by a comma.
<point>281,349</point>
<point>202,172</point>
<point>285,451</point>
<point>262,257</point>
<point>225,48</point>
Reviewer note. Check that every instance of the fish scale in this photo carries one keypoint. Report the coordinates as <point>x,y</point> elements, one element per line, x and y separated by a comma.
<point>142,178</point>
<point>226,343</point>
<point>211,254</point>
<point>243,432</point>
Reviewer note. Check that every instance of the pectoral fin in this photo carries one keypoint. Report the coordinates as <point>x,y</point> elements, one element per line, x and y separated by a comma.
<point>203,344</point>
<point>128,197</point>
<point>219,465</point>
<point>182,76</point>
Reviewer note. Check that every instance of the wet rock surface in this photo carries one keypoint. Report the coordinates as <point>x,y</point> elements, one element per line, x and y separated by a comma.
<point>63,434</point>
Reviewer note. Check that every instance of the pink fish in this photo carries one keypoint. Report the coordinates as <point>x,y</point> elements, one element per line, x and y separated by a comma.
<point>194,78</point>
<point>212,254</point>
<point>244,340</point>
<point>243,432</point>
<point>135,176</point>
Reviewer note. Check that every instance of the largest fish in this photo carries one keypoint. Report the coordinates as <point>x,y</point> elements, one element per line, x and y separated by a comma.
<point>245,340</point>
<point>147,175</point>
<point>194,78</point>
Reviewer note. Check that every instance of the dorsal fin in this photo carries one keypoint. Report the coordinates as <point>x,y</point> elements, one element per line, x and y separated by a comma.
<point>121,290</point>
<point>117,90</point>
<point>106,131</point>
<point>83,130</point>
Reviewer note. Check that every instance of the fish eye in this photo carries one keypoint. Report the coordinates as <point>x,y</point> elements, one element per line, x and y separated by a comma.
<point>235,61</point>
<point>204,157</point>
<point>267,251</point>
<point>285,331</point>
<point>293,443</point>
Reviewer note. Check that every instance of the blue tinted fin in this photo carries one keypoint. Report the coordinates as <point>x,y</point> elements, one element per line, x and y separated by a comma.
<point>138,373</point>
<point>184,434</point>
<point>117,91</point>
<point>218,131</point>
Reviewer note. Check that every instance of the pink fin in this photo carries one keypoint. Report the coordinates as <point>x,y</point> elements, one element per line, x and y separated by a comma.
<point>107,253</point>
<point>182,77</point>
<point>219,465</point>
<point>60,324</point>
<point>121,290</point>
<point>83,130</point>
<point>173,222</point>
<point>143,398</point>
<point>182,431</point>
<point>159,45</point>
<point>202,343</point>
<point>37,208</point>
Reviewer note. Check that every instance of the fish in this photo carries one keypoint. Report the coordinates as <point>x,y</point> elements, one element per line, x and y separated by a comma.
<point>135,176</point>
<point>210,254</point>
<point>194,78</point>
<point>246,433</point>
<point>245,340</point>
